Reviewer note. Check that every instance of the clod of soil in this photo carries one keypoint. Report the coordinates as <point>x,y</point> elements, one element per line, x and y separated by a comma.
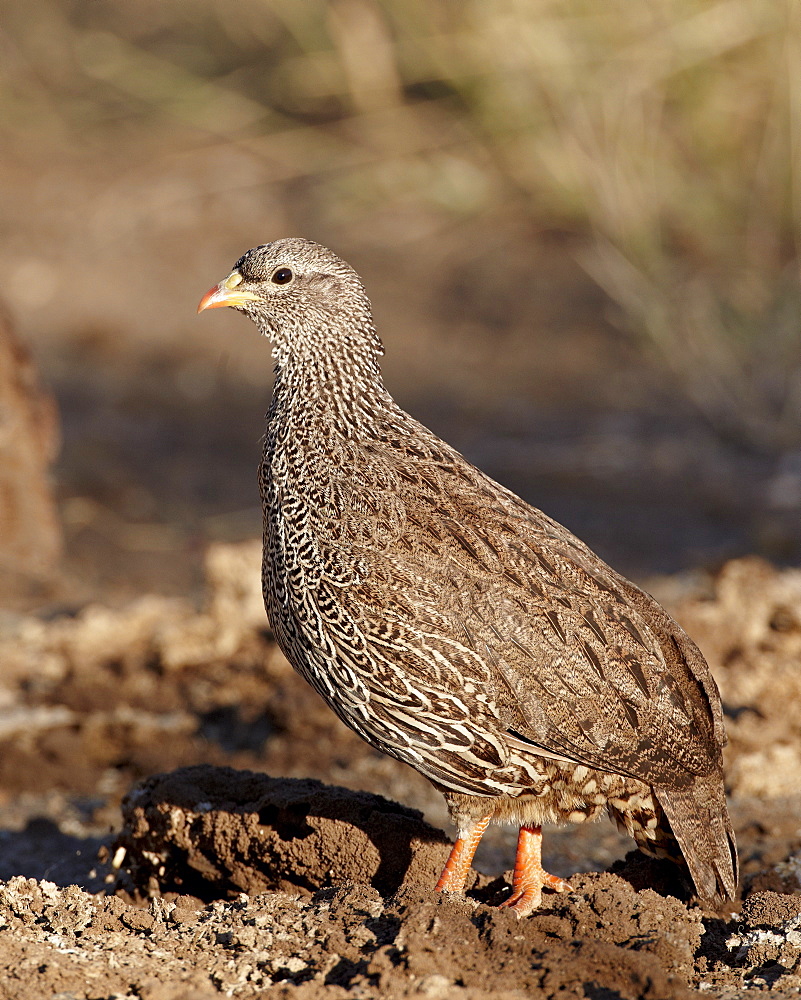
<point>216,832</point>
<point>767,944</point>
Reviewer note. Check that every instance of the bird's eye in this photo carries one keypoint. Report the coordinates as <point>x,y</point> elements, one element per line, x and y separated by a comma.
<point>282,276</point>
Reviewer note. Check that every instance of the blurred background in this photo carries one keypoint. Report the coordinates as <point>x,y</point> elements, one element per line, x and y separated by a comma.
<point>578,223</point>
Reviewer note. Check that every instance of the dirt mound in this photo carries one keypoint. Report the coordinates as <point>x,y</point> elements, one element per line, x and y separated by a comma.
<point>216,832</point>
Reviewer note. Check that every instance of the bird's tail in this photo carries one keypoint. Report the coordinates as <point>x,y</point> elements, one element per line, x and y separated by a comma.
<point>699,820</point>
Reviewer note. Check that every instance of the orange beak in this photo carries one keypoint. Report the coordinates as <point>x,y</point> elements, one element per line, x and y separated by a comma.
<point>226,294</point>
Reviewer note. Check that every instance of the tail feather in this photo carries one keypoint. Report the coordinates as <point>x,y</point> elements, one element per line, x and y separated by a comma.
<point>700,823</point>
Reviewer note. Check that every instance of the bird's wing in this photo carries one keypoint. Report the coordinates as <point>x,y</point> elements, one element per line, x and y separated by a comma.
<point>591,668</point>
<point>590,676</point>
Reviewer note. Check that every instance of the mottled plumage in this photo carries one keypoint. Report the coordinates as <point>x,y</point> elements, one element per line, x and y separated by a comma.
<point>452,625</point>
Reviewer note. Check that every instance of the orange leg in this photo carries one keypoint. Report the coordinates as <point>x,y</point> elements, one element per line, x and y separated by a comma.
<point>529,875</point>
<point>454,874</point>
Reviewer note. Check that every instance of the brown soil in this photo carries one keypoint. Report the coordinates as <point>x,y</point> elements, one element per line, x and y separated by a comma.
<point>230,882</point>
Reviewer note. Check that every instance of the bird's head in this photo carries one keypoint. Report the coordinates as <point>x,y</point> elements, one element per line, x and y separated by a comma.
<point>308,301</point>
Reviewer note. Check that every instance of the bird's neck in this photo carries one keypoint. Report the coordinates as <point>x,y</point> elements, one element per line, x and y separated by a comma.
<point>326,394</point>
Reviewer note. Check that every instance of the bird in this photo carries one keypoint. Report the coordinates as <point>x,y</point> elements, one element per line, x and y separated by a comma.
<point>455,627</point>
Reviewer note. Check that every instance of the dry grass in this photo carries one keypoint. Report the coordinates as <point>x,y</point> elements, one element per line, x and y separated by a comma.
<point>664,132</point>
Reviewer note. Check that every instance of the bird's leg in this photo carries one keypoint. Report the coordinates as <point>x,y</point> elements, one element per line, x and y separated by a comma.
<point>529,876</point>
<point>454,874</point>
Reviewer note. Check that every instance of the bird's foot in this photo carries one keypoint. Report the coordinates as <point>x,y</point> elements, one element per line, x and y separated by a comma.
<point>527,895</point>
<point>454,874</point>
<point>529,876</point>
